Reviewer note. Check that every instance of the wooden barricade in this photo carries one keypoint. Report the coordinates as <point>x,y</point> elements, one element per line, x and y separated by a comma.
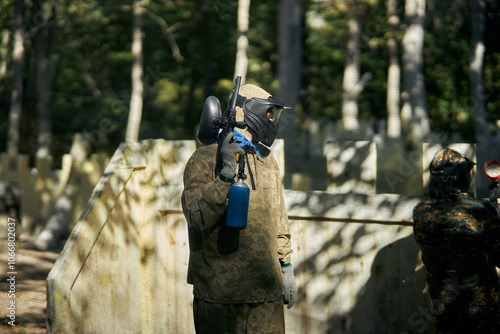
<point>123,269</point>
<point>42,185</point>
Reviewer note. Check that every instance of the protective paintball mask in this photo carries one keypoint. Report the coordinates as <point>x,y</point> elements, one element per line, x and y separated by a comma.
<point>262,116</point>
<point>460,170</point>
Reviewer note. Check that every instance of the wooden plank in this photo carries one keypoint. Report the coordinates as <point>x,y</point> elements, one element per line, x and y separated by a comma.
<point>44,187</point>
<point>352,166</point>
<point>380,208</point>
<point>72,258</point>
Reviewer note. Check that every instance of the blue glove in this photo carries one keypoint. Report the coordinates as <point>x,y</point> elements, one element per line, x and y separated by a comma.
<point>289,286</point>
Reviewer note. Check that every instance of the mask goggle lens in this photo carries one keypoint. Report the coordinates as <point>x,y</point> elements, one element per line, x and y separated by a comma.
<point>273,114</point>
<point>266,108</point>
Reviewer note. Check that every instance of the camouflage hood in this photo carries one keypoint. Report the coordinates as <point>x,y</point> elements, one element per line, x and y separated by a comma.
<point>450,174</point>
<point>249,91</point>
<point>260,112</point>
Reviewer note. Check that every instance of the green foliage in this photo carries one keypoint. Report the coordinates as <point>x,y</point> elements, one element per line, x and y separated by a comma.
<point>492,62</point>
<point>446,61</point>
<point>263,47</point>
<point>91,64</point>
<point>325,51</point>
<point>325,39</point>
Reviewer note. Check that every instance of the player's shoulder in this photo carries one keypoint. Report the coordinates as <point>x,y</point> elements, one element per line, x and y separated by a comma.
<point>424,205</point>
<point>204,151</point>
<point>203,158</point>
<point>473,203</point>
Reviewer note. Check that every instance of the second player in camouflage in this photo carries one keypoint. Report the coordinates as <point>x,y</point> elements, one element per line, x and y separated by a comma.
<point>459,237</point>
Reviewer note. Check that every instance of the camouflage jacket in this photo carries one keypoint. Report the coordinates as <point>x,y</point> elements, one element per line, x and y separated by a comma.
<point>459,237</point>
<point>235,266</point>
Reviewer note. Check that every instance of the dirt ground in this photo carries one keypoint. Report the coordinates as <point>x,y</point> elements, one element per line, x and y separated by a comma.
<point>32,268</point>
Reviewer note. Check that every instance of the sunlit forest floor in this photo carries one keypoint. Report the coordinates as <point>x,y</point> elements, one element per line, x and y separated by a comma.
<point>31,300</point>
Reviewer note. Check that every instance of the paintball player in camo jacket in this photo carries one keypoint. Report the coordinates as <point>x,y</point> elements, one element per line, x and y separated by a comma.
<point>240,278</point>
<point>459,237</point>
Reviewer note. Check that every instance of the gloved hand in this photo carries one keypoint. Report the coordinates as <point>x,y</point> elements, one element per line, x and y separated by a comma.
<point>228,151</point>
<point>493,194</point>
<point>289,286</point>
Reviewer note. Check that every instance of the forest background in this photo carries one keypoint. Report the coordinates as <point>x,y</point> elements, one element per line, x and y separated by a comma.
<point>408,71</point>
<point>74,73</point>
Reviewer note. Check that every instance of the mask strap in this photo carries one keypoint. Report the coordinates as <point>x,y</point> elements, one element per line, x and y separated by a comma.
<point>240,101</point>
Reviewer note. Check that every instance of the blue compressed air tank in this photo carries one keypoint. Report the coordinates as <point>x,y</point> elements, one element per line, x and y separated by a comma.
<point>237,205</point>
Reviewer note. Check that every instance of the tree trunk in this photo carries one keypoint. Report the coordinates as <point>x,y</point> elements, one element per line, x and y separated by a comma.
<point>476,71</point>
<point>59,222</point>
<point>17,81</point>
<point>242,44</point>
<point>43,46</point>
<point>393,75</point>
<point>136,98</point>
<point>413,81</point>
<point>351,71</point>
<point>476,58</point>
<point>289,71</point>
<point>5,38</point>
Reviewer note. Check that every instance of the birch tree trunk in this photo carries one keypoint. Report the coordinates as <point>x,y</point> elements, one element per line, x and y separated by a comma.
<point>242,44</point>
<point>476,58</point>
<point>5,39</point>
<point>393,75</point>
<point>136,98</point>
<point>413,77</point>
<point>351,71</point>
<point>17,81</point>
<point>476,71</point>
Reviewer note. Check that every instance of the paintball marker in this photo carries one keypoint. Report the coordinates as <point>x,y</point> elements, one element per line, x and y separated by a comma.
<point>492,172</point>
<point>227,124</point>
<point>212,121</point>
<point>214,126</point>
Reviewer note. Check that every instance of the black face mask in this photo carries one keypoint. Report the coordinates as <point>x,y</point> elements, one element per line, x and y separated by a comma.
<point>262,116</point>
<point>461,171</point>
<point>463,175</point>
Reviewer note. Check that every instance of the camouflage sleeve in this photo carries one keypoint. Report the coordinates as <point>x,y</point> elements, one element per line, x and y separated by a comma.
<point>284,249</point>
<point>284,236</point>
<point>204,199</point>
<point>491,233</point>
